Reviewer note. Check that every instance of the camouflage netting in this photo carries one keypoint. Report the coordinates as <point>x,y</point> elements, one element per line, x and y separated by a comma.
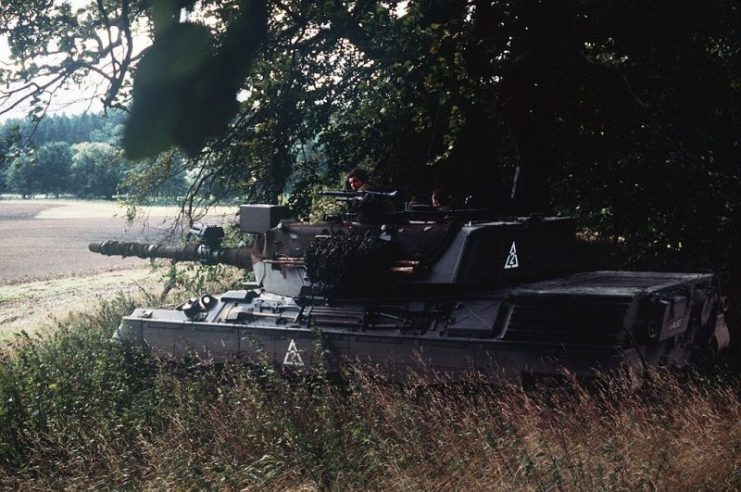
<point>348,262</point>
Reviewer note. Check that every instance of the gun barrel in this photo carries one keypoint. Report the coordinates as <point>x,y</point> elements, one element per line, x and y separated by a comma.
<point>238,257</point>
<point>348,195</point>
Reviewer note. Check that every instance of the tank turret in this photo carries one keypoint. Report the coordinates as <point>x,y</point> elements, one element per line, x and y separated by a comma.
<point>455,290</point>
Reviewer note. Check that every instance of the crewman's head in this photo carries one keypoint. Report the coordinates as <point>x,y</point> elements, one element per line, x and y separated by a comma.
<point>357,179</point>
<point>441,198</point>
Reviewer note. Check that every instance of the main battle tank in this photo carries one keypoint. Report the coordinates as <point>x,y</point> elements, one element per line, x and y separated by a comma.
<point>447,292</point>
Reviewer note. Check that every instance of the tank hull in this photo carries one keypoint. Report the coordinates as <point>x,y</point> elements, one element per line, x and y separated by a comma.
<point>583,324</point>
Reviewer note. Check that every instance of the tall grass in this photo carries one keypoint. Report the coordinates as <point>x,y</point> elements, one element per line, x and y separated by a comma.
<point>79,412</point>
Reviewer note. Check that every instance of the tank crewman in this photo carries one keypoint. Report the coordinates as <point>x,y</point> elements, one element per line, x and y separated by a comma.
<point>357,180</point>
<point>368,208</point>
<point>441,199</point>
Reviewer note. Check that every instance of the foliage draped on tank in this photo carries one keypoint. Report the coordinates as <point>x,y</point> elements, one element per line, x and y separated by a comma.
<point>348,264</point>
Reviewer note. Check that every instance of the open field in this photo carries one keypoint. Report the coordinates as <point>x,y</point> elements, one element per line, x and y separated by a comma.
<point>48,239</point>
<point>45,265</point>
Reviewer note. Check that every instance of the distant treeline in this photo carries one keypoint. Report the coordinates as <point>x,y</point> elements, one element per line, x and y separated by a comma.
<point>78,155</point>
<point>70,129</point>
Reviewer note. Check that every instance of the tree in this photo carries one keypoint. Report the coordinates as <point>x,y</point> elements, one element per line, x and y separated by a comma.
<point>54,46</point>
<point>626,114</point>
<point>96,170</point>
<point>53,161</point>
<point>22,175</point>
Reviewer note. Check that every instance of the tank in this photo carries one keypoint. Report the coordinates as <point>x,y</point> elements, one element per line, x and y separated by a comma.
<point>427,291</point>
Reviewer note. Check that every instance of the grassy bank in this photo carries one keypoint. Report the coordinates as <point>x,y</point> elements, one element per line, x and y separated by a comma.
<point>29,306</point>
<point>76,411</point>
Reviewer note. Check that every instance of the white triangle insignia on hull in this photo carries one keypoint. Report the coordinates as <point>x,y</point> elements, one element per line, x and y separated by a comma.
<point>293,358</point>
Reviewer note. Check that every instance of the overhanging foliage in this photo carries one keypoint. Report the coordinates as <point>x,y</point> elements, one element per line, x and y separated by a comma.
<point>627,115</point>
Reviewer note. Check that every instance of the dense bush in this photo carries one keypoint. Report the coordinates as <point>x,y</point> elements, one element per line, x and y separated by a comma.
<point>65,396</point>
<point>77,411</point>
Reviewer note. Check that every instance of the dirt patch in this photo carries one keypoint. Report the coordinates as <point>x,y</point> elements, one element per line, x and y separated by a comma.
<point>20,210</point>
<point>100,209</point>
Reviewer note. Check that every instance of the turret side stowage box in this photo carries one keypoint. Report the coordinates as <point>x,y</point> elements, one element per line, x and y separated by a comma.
<point>256,219</point>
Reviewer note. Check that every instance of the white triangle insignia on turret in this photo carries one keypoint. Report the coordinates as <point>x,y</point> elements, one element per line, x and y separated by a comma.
<point>512,261</point>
